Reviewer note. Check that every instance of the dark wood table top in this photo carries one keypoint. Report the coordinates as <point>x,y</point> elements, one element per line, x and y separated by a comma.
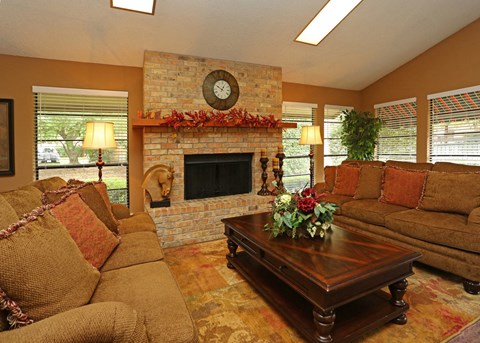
<point>340,259</point>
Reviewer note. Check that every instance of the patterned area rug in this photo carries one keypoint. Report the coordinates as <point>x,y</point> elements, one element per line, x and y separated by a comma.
<point>226,308</point>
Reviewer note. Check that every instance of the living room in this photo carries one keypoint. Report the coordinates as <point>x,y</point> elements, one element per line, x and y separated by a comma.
<point>429,69</point>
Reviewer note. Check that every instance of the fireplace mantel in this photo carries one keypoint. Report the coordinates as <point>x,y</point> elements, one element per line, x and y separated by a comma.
<point>142,123</point>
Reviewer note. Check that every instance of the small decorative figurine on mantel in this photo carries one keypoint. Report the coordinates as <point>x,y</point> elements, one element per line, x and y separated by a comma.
<point>158,181</point>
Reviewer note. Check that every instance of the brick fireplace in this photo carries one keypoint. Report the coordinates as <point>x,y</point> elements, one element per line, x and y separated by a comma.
<point>174,81</point>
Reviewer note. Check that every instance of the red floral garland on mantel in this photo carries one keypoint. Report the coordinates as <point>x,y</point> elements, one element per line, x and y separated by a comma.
<point>234,117</point>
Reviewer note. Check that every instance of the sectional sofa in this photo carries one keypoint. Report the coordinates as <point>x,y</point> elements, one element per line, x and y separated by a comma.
<point>76,268</point>
<point>430,208</point>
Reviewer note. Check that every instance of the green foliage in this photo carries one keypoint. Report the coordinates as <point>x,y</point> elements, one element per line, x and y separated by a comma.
<point>360,132</point>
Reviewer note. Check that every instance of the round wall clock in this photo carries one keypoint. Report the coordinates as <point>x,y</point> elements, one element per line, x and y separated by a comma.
<point>220,90</point>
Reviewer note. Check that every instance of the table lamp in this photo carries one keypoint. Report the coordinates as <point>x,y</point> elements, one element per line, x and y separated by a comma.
<point>99,135</point>
<point>311,135</point>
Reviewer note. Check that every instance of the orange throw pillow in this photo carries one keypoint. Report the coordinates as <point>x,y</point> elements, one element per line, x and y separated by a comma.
<point>403,187</point>
<point>93,238</point>
<point>346,180</point>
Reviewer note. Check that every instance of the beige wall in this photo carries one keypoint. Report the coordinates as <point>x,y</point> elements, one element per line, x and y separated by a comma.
<point>293,92</point>
<point>19,74</point>
<point>452,64</point>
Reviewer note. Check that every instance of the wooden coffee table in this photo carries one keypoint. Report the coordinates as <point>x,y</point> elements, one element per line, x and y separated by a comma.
<point>330,288</point>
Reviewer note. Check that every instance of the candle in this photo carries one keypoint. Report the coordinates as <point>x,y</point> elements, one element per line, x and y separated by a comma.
<point>275,163</point>
<point>263,153</point>
<point>280,149</point>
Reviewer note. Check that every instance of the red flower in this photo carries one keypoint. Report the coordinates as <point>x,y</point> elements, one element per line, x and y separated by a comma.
<point>306,205</point>
<point>308,192</point>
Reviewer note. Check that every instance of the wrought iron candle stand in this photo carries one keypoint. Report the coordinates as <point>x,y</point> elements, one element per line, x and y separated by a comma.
<point>264,190</point>
<point>281,157</point>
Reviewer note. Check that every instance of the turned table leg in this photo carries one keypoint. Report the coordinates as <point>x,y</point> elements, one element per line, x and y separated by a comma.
<point>232,248</point>
<point>323,321</point>
<point>397,290</point>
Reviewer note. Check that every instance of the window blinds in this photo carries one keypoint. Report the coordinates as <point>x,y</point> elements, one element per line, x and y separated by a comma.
<point>455,126</point>
<point>398,135</point>
<point>334,151</point>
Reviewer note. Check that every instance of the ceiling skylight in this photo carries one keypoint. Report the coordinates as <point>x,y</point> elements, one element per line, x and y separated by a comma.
<point>143,6</point>
<point>326,20</point>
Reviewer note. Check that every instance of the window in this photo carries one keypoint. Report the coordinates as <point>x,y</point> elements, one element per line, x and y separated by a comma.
<point>334,151</point>
<point>60,119</point>
<point>455,126</point>
<point>296,166</point>
<point>398,135</point>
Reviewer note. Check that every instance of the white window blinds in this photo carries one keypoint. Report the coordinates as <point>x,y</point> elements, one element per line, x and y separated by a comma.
<point>296,166</point>
<point>398,136</point>
<point>455,126</point>
<point>60,118</point>
<point>334,151</point>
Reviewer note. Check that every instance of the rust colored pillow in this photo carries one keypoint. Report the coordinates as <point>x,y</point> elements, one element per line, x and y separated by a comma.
<point>403,187</point>
<point>93,238</point>
<point>42,269</point>
<point>451,192</point>
<point>369,183</point>
<point>346,180</point>
<point>330,173</point>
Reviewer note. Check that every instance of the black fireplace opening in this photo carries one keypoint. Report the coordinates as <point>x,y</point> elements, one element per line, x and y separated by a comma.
<point>213,175</point>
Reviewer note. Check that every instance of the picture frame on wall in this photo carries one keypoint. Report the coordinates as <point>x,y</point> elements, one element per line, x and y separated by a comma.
<point>7,151</point>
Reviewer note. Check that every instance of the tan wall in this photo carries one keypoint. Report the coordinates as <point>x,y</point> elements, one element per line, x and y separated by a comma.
<point>293,92</point>
<point>19,74</point>
<point>451,64</point>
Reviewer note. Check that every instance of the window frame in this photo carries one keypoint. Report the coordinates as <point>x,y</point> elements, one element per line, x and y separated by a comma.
<point>326,137</point>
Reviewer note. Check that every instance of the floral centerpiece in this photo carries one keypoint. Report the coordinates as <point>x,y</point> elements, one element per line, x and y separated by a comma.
<point>302,214</point>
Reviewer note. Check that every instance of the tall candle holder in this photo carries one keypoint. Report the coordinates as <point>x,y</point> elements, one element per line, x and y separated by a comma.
<point>264,190</point>
<point>281,156</point>
<point>276,190</point>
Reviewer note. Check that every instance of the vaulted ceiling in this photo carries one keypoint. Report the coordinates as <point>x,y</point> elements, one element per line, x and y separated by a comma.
<point>375,39</point>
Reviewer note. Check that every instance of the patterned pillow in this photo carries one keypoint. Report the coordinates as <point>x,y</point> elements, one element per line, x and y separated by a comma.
<point>43,270</point>
<point>346,180</point>
<point>403,187</point>
<point>92,237</point>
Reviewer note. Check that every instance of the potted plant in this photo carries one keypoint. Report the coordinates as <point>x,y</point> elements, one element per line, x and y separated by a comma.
<point>359,134</point>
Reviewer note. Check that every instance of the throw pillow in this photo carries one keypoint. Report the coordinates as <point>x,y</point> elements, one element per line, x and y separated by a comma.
<point>369,183</point>
<point>330,173</point>
<point>403,187</point>
<point>8,215</point>
<point>43,270</point>
<point>23,200</point>
<point>15,318</point>
<point>346,180</point>
<point>451,192</point>
<point>92,237</point>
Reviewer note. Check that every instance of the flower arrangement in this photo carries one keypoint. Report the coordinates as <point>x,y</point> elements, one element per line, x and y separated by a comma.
<point>302,214</point>
<point>234,117</point>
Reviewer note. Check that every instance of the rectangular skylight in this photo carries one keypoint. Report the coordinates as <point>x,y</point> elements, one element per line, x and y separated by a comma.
<point>143,6</point>
<point>326,20</point>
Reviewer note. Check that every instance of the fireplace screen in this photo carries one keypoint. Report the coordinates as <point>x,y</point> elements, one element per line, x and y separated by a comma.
<point>212,175</point>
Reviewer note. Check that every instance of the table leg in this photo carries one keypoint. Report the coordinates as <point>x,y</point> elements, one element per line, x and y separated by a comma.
<point>397,290</point>
<point>323,321</point>
<point>232,248</point>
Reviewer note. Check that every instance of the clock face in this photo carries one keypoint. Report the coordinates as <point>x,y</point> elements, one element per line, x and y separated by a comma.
<point>220,90</point>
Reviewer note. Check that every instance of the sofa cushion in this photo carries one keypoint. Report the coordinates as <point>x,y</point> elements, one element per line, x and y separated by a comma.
<point>451,192</point>
<point>7,214</point>
<point>151,290</point>
<point>454,167</point>
<point>370,211</point>
<point>330,174</point>
<point>50,184</point>
<point>447,229</point>
<point>346,180</point>
<point>23,200</point>
<point>403,187</point>
<point>93,238</point>
<point>42,268</point>
<point>369,183</point>
<point>139,221</point>
<point>409,165</point>
<point>136,248</point>
<point>338,200</point>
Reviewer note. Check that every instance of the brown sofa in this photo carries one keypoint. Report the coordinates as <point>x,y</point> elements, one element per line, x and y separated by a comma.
<point>135,298</point>
<point>444,225</point>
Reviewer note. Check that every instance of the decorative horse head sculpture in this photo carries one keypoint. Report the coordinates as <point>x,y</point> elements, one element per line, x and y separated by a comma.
<point>158,182</point>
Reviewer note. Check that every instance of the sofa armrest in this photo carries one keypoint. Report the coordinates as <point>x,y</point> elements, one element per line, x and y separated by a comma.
<point>474,217</point>
<point>95,323</point>
<point>320,187</point>
<point>120,211</point>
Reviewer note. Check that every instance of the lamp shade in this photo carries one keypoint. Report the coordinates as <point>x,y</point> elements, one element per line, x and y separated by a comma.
<point>311,135</point>
<point>99,135</point>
